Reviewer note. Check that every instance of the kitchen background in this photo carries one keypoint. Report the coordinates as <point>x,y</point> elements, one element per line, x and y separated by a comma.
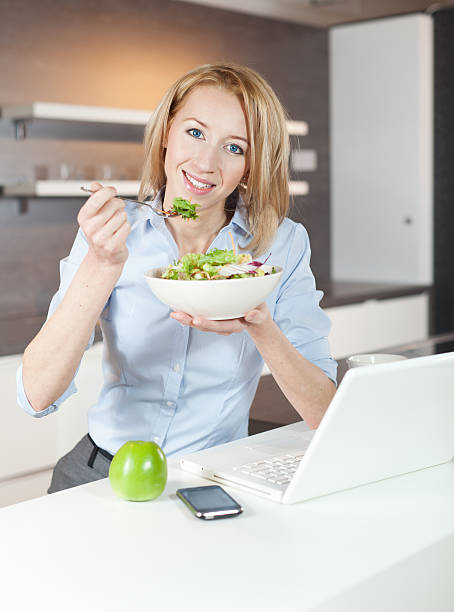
<point>377,159</point>
<point>125,54</point>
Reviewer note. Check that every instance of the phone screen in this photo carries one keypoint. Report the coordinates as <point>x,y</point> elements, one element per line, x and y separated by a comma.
<point>209,499</point>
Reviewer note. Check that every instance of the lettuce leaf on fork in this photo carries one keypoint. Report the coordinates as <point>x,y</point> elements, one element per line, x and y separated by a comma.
<point>185,208</point>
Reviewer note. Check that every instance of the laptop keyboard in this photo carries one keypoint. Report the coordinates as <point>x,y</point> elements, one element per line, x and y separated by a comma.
<point>278,470</point>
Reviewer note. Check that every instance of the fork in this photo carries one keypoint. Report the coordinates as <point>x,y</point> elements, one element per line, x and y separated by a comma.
<point>157,211</point>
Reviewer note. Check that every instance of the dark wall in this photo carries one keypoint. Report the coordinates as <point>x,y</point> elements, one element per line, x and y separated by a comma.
<point>443,170</point>
<point>125,53</point>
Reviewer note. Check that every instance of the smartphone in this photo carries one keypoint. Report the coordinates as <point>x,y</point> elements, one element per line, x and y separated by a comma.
<point>209,502</point>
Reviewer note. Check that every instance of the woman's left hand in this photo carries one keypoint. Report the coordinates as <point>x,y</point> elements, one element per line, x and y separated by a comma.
<point>254,318</point>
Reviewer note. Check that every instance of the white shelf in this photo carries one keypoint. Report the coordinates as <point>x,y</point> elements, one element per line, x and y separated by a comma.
<point>99,114</point>
<point>297,128</point>
<point>75,112</point>
<point>65,188</point>
<point>298,188</point>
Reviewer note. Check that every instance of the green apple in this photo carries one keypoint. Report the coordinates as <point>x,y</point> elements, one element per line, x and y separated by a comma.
<point>138,471</point>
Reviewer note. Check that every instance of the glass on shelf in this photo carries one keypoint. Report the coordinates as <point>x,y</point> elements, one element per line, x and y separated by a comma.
<point>108,171</point>
<point>67,171</point>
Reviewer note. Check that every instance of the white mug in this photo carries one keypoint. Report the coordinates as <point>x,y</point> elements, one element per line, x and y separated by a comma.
<point>356,361</point>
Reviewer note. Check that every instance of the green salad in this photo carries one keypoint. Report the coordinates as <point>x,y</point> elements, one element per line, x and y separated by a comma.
<point>185,208</point>
<point>207,266</point>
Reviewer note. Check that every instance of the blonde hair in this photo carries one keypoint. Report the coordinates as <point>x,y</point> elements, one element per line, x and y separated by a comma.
<point>265,190</point>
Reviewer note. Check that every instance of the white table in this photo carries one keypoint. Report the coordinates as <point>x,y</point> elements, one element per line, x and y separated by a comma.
<point>383,547</point>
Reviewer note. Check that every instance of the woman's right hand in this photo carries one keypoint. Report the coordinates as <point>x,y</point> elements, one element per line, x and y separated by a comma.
<point>104,222</point>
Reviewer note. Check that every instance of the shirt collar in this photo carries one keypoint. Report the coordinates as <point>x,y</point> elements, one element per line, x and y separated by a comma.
<point>155,220</point>
<point>240,216</point>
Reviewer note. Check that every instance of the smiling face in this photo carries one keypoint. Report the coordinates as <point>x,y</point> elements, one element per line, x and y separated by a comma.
<point>207,148</point>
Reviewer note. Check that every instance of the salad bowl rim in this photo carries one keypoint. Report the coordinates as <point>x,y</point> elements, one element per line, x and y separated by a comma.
<point>151,273</point>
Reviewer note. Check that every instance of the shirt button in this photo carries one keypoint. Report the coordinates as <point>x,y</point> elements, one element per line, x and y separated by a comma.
<point>176,367</point>
<point>169,404</point>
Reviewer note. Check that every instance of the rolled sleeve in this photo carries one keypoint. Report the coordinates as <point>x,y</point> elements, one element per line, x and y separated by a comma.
<point>68,268</point>
<point>298,313</point>
<point>23,402</point>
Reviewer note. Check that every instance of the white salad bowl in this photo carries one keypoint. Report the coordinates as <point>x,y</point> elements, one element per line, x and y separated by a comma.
<point>214,299</point>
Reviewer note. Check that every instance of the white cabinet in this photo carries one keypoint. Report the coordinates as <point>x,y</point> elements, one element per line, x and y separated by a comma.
<point>381,150</point>
<point>22,488</point>
<point>376,324</point>
<point>30,447</point>
<point>26,444</point>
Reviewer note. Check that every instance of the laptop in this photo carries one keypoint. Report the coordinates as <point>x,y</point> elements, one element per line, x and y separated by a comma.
<point>384,420</point>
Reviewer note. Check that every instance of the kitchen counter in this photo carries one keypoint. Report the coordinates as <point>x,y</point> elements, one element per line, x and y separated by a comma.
<point>384,546</point>
<point>341,293</point>
<point>443,343</point>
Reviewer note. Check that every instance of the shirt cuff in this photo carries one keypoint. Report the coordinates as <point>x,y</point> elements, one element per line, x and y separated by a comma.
<point>23,402</point>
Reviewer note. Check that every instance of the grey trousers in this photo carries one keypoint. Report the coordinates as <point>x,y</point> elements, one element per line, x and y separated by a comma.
<point>73,469</point>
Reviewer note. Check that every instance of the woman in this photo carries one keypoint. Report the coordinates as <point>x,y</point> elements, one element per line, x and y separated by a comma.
<point>218,136</point>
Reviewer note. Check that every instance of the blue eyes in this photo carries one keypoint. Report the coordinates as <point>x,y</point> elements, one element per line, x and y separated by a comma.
<point>231,148</point>
<point>195,132</point>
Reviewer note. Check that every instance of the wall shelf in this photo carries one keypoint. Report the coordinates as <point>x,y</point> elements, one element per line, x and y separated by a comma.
<point>75,112</point>
<point>297,128</point>
<point>298,188</point>
<point>65,188</point>
<point>23,113</point>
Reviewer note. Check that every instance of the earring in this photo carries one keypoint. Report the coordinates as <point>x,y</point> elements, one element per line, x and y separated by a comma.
<point>243,182</point>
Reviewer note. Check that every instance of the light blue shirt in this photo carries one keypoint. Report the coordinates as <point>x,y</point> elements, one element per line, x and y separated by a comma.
<point>184,388</point>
